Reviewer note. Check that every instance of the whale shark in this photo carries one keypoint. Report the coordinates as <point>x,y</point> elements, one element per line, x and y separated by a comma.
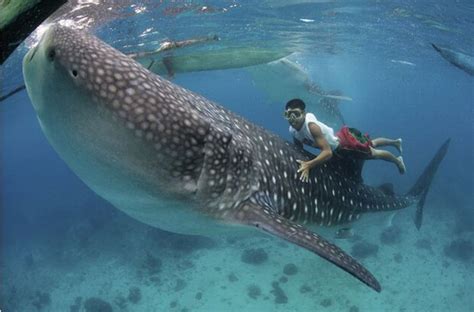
<point>286,76</point>
<point>217,59</point>
<point>461,60</point>
<point>175,160</point>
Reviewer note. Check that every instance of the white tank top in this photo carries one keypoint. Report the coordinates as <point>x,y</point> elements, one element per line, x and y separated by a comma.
<point>304,134</point>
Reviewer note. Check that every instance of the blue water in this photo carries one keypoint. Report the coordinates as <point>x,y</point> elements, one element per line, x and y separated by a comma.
<point>61,242</point>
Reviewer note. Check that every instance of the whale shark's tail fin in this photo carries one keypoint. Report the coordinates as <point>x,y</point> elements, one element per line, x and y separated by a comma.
<point>422,185</point>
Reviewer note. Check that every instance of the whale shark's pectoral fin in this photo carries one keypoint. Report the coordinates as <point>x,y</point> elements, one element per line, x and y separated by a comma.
<point>269,221</point>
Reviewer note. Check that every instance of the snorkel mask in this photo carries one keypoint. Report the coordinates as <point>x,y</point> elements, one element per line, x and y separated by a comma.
<point>293,114</point>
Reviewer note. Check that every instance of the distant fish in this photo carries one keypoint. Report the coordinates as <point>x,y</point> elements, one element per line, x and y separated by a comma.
<point>338,97</point>
<point>306,20</point>
<point>403,62</point>
<point>344,233</point>
<point>458,59</point>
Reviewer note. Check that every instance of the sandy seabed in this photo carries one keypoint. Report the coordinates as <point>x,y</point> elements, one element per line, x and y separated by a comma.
<point>123,265</point>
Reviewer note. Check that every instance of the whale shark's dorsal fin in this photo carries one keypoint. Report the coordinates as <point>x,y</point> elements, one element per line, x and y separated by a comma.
<point>269,221</point>
<point>351,166</point>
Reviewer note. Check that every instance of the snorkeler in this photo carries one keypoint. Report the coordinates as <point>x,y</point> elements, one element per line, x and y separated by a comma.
<point>306,129</point>
<point>170,44</point>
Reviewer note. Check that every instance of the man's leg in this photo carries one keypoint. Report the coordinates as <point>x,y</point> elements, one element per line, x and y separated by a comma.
<point>388,142</point>
<point>387,156</point>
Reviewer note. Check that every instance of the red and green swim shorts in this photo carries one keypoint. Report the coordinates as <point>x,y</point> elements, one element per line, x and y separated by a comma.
<point>352,139</point>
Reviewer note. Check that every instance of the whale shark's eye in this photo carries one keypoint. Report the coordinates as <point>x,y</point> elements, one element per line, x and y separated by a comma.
<point>51,54</point>
<point>74,73</point>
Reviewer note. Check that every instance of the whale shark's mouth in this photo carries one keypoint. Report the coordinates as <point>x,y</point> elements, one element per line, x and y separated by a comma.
<point>32,52</point>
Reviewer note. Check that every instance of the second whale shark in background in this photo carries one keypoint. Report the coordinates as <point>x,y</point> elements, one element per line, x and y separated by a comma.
<point>460,60</point>
<point>178,161</point>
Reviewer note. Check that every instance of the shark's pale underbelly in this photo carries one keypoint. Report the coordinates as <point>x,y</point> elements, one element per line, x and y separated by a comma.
<point>169,215</point>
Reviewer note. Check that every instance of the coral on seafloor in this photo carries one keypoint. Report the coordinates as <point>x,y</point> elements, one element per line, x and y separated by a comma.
<point>41,300</point>
<point>391,235</point>
<point>254,256</point>
<point>134,295</point>
<point>97,305</point>
<point>253,291</point>
<point>280,296</point>
<point>363,250</point>
<point>152,264</point>
<point>460,249</point>
<point>290,269</point>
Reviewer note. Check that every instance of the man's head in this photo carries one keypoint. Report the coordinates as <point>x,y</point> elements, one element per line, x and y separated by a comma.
<point>295,113</point>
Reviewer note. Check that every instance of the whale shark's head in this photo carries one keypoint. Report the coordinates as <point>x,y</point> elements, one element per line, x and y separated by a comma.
<point>109,118</point>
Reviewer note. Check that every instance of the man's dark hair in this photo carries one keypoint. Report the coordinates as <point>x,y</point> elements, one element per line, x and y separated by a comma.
<point>295,103</point>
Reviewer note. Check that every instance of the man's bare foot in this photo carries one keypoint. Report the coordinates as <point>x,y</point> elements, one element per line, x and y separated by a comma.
<point>401,165</point>
<point>398,145</point>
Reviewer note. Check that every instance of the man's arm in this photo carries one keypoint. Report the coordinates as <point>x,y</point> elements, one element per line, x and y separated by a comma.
<point>321,143</point>
<point>325,154</point>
